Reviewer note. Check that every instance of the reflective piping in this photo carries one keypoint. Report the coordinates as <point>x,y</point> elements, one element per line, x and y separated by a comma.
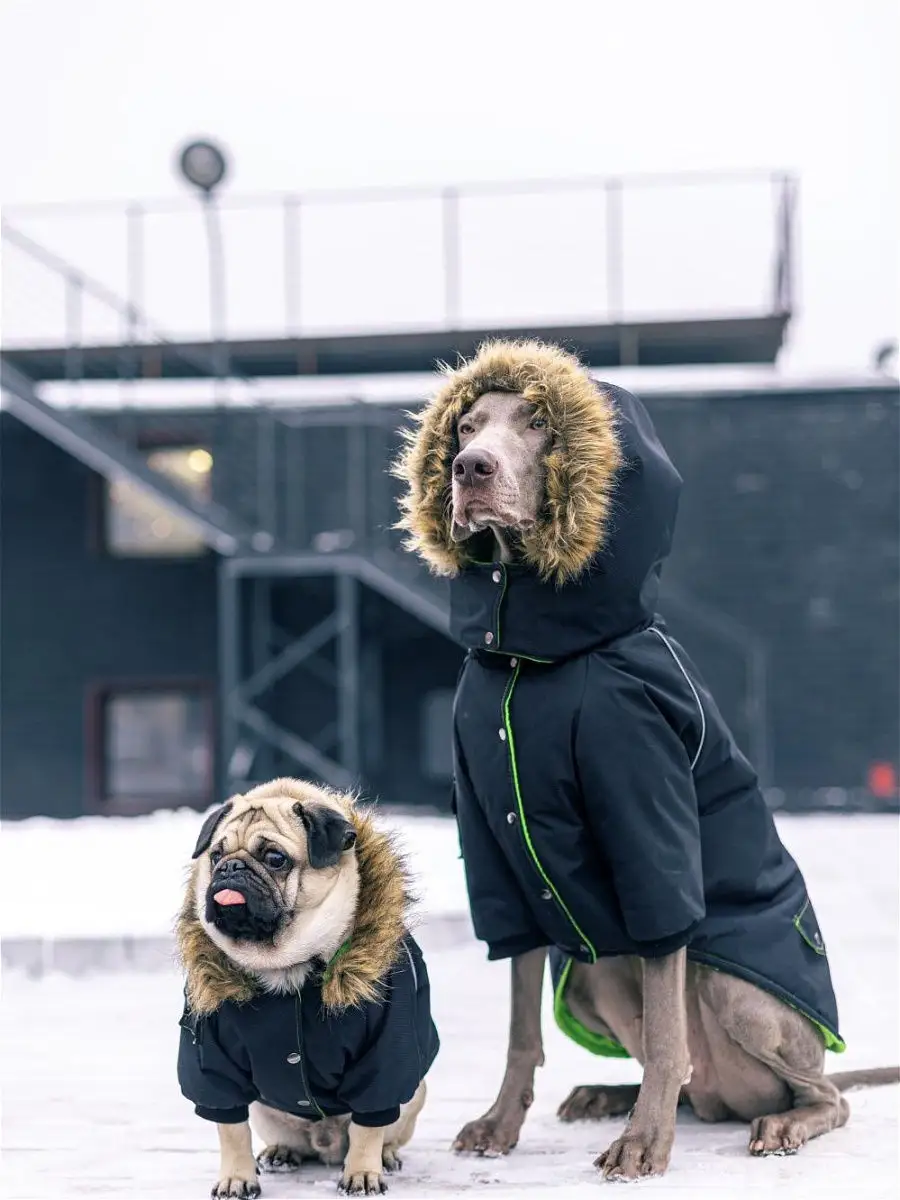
<point>669,647</point>
<point>412,965</point>
<point>523,824</point>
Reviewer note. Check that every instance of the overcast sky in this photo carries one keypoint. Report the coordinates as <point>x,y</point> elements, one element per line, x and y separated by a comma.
<point>97,93</point>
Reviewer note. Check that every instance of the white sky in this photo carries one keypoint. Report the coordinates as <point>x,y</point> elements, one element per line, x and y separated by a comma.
<point>96,94</point>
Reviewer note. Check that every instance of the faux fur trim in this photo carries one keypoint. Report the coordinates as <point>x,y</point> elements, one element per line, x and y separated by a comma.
<point>580,468</point>
<point>354,974</point>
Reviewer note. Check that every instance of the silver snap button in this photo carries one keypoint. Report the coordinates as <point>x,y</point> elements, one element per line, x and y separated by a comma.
<point>488,638</point>
<point>496,577</point>
<point>303,1103</point>
<point>546,894</point>
<point>513,662</point>
<point>501,734</point>
<point>294,1058</point>
<point>511,818</point>
<point>584,949</point>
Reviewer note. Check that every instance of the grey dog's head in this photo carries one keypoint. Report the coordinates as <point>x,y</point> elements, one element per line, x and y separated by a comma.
<point>276,877</point>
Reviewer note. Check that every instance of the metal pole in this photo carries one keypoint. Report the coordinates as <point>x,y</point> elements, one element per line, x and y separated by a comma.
<point>614,272</point>
<point>217,297</point>
<point>134,281</point>
<point>292,265</point>
<point>348,672</point>
<point>229,585</point>
<point>74,327</point>
<point>452,266</point>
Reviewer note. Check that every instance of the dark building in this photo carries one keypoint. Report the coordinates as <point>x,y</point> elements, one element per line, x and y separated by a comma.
<point>141,669</point>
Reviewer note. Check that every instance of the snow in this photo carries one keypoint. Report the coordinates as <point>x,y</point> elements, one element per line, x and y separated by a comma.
<point>92,1107</point>
<point>98,856</point>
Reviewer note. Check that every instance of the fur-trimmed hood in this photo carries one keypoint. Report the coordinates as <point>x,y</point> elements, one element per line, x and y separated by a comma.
<point>581,467</point>
<point>589,572</point>
<point>353,975</point>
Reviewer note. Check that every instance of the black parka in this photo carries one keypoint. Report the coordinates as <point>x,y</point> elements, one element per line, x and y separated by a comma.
<point>603,805</point>
<point>293,1053</point>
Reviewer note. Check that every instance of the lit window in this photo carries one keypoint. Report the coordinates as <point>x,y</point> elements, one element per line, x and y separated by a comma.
<point>156,750</point>
<point>437,735</point>
<point>140,525</point>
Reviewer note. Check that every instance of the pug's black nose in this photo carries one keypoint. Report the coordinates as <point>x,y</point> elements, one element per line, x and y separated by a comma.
<point>233,864</point>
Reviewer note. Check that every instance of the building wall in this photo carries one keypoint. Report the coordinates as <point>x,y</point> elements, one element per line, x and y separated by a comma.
<point>788,539</point>
<point>72,618</point>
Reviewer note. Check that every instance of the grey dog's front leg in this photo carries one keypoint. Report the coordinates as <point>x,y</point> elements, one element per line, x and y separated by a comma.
<point>498,1130</point>
<point>645,1146</point>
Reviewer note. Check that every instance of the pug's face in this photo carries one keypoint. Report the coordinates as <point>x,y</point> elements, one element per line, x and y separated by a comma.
<point>267,863</point>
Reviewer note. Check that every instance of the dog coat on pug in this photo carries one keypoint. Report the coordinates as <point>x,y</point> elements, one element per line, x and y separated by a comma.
<point>305,993</point>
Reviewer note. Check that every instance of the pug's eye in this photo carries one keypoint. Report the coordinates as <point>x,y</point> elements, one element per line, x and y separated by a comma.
<point>215,856</point>
<point>538,423</point>
<point>275,859</point>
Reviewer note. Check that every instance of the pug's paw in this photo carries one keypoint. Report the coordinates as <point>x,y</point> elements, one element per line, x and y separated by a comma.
<point>236,1187</point>
<point>362,1183</point>
<point>391,1160</point>
<point>279,1159</point>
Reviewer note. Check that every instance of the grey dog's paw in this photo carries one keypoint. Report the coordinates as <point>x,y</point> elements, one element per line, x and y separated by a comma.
<point>236,1188</point>
<point>277,1158</point>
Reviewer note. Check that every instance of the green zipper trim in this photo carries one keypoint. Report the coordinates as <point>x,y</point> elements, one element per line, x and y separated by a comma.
<point>569,1024</point>
<point>510,741</point>
<point>330,965</point>
<point>298,1007</point>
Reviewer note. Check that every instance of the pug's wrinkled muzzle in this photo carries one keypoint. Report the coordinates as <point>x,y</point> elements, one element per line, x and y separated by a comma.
<point>241,904</point>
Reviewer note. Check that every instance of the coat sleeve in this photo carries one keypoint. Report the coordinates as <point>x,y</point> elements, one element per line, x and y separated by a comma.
<point>641,806</point>
<point>398,1047</point>
<point>218,1082</point>
<point>500,913</point>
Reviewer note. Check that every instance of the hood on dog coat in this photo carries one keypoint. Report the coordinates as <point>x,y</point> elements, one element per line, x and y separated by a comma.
<point>356,1038</point>
<point>603,805</point>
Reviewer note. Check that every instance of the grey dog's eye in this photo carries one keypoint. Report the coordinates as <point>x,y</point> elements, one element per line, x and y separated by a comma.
<point>215,856</point>
<point>538,423</point>
<point>465,427</point>
<point>275,859</point>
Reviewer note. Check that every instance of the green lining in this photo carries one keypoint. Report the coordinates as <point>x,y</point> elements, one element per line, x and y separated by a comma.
<point>573,1028</point>
<point>832,1040</point>
<point>510,741</point>
<point>596,1043</point>
<point>815,943</point>
<point>339,953</point>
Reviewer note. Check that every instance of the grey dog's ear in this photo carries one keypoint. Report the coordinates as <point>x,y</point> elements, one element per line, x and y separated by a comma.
<point>328,834</point>
<point>210,825</point>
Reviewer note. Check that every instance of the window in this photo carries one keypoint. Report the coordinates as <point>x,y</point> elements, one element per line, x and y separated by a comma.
<point>156,749</point>
<point>137,525</point>
<point>437,735</point>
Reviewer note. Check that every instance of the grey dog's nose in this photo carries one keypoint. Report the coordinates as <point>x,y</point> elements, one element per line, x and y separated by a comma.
<point>233,864</point>
<point>474,466</point>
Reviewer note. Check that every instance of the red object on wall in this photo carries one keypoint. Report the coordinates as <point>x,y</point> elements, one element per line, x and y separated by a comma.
<point>882,780</point>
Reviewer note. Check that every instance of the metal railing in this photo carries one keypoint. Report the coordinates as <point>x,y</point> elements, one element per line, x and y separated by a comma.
<point>595,249</point>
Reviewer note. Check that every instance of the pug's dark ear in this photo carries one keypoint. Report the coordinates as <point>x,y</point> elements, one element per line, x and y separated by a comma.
<point>328,834</point>
<point>210,825</point>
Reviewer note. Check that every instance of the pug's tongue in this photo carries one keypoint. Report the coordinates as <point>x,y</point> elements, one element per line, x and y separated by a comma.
<point>229,896</point>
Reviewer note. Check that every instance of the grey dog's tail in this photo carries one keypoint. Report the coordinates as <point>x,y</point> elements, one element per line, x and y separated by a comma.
<point>871,1077</point>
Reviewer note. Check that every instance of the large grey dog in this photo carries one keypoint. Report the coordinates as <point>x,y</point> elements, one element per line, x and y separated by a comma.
<point>604,809</point>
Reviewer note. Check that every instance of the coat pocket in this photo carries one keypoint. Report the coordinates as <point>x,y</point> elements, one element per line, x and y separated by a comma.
<point>808,927</point>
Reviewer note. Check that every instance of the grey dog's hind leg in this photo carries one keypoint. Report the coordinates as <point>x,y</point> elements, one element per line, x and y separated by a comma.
<point>785,1042</point>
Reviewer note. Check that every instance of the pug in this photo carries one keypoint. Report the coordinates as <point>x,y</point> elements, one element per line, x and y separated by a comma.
<point>307,1002</point>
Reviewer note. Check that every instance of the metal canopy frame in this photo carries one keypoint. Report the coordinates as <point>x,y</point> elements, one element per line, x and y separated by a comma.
<point>332,752</point>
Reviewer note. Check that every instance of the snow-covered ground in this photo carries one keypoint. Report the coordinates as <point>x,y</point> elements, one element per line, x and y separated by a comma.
<point>98,858</point>
<point>91,1106</point>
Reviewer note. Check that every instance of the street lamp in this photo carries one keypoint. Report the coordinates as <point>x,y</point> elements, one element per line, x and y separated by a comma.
<point>204,166</point>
